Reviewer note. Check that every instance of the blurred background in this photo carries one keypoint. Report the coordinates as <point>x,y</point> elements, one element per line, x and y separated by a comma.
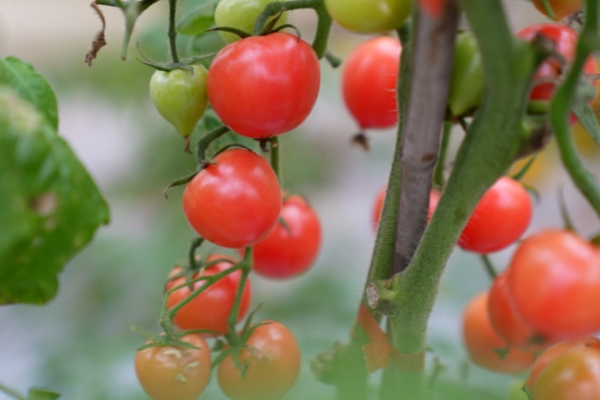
<point>79,345</point>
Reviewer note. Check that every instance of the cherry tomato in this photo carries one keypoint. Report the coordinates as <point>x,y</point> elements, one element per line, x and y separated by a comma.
<point>434,198</point>
<point>264,86</point>
<point>210,309</point>
<point>548,356</point>
<point>508,324</point>
<point>234,203</point>
<point>466,84</point>
<point>499,219</point>
<point>290,249</point>
<point>241,14</point>
<point>369,16</point>
<point>174,373</point>
<point>369,82</point>
<point>273,359</point>
<point>485,348</point>
<point>561,8</point>
<point>573,375</point>
<point>433,7</point>
<point>565,40</point>
<point>180,96</point>
<point>554,280</point>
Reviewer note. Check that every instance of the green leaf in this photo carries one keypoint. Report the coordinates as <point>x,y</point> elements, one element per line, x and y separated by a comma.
<point>50,205</point>
<point>37,394</point>
<point>197,20</point>
<point>588,120</point>
<point>31,86</point>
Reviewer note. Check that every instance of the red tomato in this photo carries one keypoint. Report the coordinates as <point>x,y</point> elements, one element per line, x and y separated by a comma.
<point>434,198</point>
<point>561,8</point>
<point>556,351</point>
<point>263,86</point>
<point>485,348</point>
<point>289,251</point>
<point>499,219</point>
<point>554,280</point>
<point>210,309</point>
<point>508,324</point>
<point>234,203</point>
<point>573,375</point>
<point>173,373</point>
<point>369,82</point>
<point>433,7</point>
<point>273,359</point>
<point>565,40</point>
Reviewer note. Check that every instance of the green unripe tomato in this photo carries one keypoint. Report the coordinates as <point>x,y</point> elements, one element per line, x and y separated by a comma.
<point>180,96</point>
<point>369,16</point>
<point>241,14</point>
<point>466,86</point>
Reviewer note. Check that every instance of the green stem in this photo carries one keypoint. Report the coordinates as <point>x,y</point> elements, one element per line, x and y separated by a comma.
<point>232,319</point>
<point>489,267</point>
<point>10,392</point>
<point>323,26</point>
<point>196,242</point>
<point>143,5</point>
<point>589,41</point>
<point>173,31</point>
<point>206,140</point>
<point>438,176</point>
<point>275,158</point>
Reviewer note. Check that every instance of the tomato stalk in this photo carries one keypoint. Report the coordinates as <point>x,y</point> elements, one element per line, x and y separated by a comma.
<point>173,31</point>
<point>275,158</point>
<point>246,267</point>
<point>142,5</point>
<point>196,243</point>
<point>489,267</point>
<point>589,41</point>
<point>205,142</point>
<point>439,179</point>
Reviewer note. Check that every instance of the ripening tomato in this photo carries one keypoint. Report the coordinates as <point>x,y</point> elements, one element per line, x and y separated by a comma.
<point>485,348</point>
<point>548,356</point>
<point>369,16</point>
<point>508,324</point>
<point>180,96</point>
<point>241,14</point>
<point>561,8</point>
<point>433,7</point>
<point>369,82</point>
<point>466,84</point>
<point>210,309</point>
<point>434,198</point>
<point>235,202</point>
<point>565,41</point>
<point>292,246</point>
<point>499,219</point>
<point>174,373</point>
<point>554,281</point>
<point>272,356</point>
<point>572,375</point>
<point>263,86</point>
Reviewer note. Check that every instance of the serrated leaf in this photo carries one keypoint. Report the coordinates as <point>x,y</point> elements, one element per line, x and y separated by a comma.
<point>37,394</point>
<point>588,120</point>
<point>31,86</point>
<point>197,20</point>
<point>50,206</point>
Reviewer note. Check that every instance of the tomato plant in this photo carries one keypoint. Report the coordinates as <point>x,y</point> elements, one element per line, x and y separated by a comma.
<point>174,373</point>
<point>180,96</point>
<point>369,82</point>
<point>485,348</point>
<point>369,16</point>
<point>500,218</point>
<point>560,8</point>
<point>264,86</point>
<point>209,310</point>
<point>234,202</point>
<point>292,246</point>
<point>272,361</point>
<point>241,14</point>
<point>554,280</point>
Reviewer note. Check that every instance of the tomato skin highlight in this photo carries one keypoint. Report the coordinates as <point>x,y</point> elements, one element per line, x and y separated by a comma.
<point>264,86</point>
<point>210,309</point>
<point>241,14</point>
<point>273,359</point>
<point>554,280</point>
<point>369,82</point>
<point>499,219</point>
<point>289,252</point>
<point>369,16</point>
<point>171,373</point>
<point>483,343</point>
<point>561,8</point>
<point>234,203</point>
